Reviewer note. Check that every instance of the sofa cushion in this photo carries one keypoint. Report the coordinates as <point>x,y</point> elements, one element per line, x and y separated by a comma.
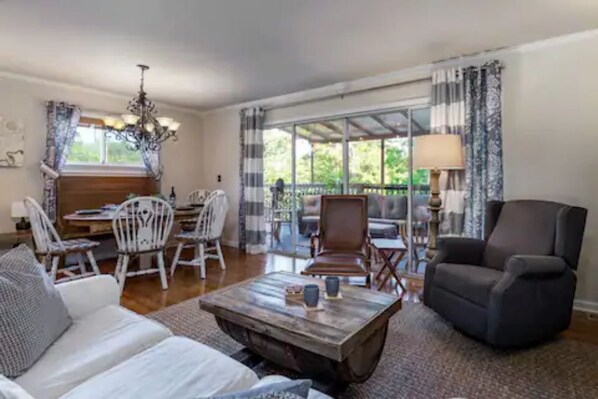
<point>271,379</point>
<point>11,390</point>
<point>383,230</point>
<point>375,202</point>
<point>32,314</point>
<point>299,388</point>
<point>94,343</point>
<point>311,205</point>
<point>523,228</point>
<point>473,283</point>
<point>175,368</point>
<point>395,207</point>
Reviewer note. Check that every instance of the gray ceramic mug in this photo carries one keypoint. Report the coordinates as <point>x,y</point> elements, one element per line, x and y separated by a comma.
<point>332,286</point>
<point>311,295</point>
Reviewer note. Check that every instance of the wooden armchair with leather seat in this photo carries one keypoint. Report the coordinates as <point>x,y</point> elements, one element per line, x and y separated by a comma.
<point>341,247</point>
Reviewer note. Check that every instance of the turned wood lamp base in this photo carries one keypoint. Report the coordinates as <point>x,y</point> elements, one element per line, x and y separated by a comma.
<point>434,205</point>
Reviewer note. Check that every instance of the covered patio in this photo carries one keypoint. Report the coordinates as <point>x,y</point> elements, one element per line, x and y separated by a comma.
<point>375,160</point>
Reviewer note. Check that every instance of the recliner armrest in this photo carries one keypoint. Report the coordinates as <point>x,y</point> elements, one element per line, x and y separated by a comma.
<point>468,251</point>
<point>527,265</point>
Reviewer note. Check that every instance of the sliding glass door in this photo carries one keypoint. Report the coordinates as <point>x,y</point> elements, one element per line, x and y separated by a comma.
<point>362,153</point>
<point>278,172</point>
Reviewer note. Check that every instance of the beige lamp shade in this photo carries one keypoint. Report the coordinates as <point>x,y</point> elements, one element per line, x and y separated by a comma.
<point>18,210</point>
<point>438,151</point>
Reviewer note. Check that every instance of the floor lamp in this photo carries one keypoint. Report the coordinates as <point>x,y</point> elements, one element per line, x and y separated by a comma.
<point>436,152</point>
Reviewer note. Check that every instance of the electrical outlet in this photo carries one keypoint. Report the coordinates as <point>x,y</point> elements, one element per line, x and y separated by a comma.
<point>219,178</point>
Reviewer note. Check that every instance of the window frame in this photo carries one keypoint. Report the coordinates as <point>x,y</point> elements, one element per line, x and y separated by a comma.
<point>103,167</point>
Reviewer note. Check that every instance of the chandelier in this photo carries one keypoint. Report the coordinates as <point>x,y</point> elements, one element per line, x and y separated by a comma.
<point>142,128</point>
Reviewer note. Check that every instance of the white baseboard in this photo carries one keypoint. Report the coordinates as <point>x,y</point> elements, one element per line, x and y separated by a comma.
<point>230,243</point>
<point>586,306</point>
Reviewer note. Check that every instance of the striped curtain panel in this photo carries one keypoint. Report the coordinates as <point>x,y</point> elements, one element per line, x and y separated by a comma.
<point>448,117</point>
<point>483,143</point>
<point>252,226</point>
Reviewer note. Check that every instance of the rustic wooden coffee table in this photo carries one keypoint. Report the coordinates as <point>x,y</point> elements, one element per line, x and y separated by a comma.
<point>341,344</point>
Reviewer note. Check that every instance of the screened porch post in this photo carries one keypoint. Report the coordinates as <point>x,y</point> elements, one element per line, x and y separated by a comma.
<point>311,161</point>
<point>382,166</point>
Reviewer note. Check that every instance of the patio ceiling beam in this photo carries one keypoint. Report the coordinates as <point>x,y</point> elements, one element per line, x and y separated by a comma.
<point>332,127</point>
<point>375,137</point>
<point>385,125</point>
<point>358,126</point>
<point>316,133</point>
<point>302,135</point>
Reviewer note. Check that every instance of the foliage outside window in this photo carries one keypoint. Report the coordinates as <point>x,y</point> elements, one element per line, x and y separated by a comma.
<point>364,161</point>
<point>92,145</point>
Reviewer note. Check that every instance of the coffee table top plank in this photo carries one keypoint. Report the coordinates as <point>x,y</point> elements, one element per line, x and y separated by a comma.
<point>260,305</point>
<point>348,306</point>
<point>337,315</point>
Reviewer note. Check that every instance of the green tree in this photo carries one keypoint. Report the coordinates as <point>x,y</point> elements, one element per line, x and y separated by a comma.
<point>364,161</point>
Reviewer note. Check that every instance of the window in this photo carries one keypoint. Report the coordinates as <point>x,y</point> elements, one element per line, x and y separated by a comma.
<point>93,146</point>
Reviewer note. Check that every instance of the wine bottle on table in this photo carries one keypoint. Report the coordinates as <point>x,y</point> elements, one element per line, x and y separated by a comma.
<point>172,198</point>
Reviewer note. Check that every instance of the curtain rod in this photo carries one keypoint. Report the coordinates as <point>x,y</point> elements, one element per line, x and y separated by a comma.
<point>341,95</point>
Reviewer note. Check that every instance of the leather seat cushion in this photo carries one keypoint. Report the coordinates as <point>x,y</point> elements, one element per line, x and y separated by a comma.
<point>337,264</point>
<point>473,283</point>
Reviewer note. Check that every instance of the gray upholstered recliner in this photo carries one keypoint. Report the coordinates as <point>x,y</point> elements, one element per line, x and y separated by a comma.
<point>515,287</point>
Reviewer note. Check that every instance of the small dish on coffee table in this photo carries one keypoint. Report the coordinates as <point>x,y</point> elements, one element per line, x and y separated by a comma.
<point>333,298</point>
<point>318,308</point>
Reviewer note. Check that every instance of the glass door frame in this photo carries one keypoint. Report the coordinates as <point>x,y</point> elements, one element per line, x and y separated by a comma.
<point>408,106</point>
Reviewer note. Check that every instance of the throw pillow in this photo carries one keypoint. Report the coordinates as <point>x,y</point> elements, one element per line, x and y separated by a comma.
<point>32,314</point>
<point>11,390</point>
<point>279,395</point>
<point>294,388</point>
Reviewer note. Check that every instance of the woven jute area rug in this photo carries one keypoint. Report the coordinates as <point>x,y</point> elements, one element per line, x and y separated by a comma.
<point>425,357</point>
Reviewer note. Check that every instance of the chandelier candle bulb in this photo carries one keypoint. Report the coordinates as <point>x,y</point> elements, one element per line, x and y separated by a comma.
<point>109,122</point>
<point>174,126</point>
<point>165,121</point>
<point>130,119</point>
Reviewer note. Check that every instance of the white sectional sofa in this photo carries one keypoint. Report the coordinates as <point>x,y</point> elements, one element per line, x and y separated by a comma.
<point>111,352</point>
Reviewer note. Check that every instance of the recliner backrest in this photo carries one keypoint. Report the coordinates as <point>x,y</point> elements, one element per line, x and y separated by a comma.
<point>532,227</point>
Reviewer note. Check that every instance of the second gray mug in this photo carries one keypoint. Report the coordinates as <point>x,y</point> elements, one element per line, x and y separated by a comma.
<point>332,286</point>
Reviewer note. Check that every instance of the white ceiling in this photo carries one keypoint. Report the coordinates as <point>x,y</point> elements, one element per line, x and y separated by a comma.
<point>209,53</point>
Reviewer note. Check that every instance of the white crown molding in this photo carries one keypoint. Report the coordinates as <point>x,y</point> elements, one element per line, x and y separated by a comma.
<point>399,77</point>
<point>90,90</point>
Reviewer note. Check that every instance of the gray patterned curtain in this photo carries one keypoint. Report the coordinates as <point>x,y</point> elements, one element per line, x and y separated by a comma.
<point>62,120</point>
<point>448,117</point>
<point>483,143</point>
<point>252,226</point>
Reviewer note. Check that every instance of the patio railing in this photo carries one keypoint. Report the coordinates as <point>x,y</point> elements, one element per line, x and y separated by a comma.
<point>302,190</point>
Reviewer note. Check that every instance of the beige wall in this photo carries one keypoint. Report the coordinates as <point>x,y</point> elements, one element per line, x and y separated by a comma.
<point>24,100</point>
<point>550,133</point>
<point>221,136</point>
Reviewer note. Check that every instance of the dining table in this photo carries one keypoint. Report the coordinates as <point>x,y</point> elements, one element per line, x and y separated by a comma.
<point>100,221</point>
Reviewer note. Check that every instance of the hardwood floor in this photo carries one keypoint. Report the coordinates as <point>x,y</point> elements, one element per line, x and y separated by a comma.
<point>144,295</point>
